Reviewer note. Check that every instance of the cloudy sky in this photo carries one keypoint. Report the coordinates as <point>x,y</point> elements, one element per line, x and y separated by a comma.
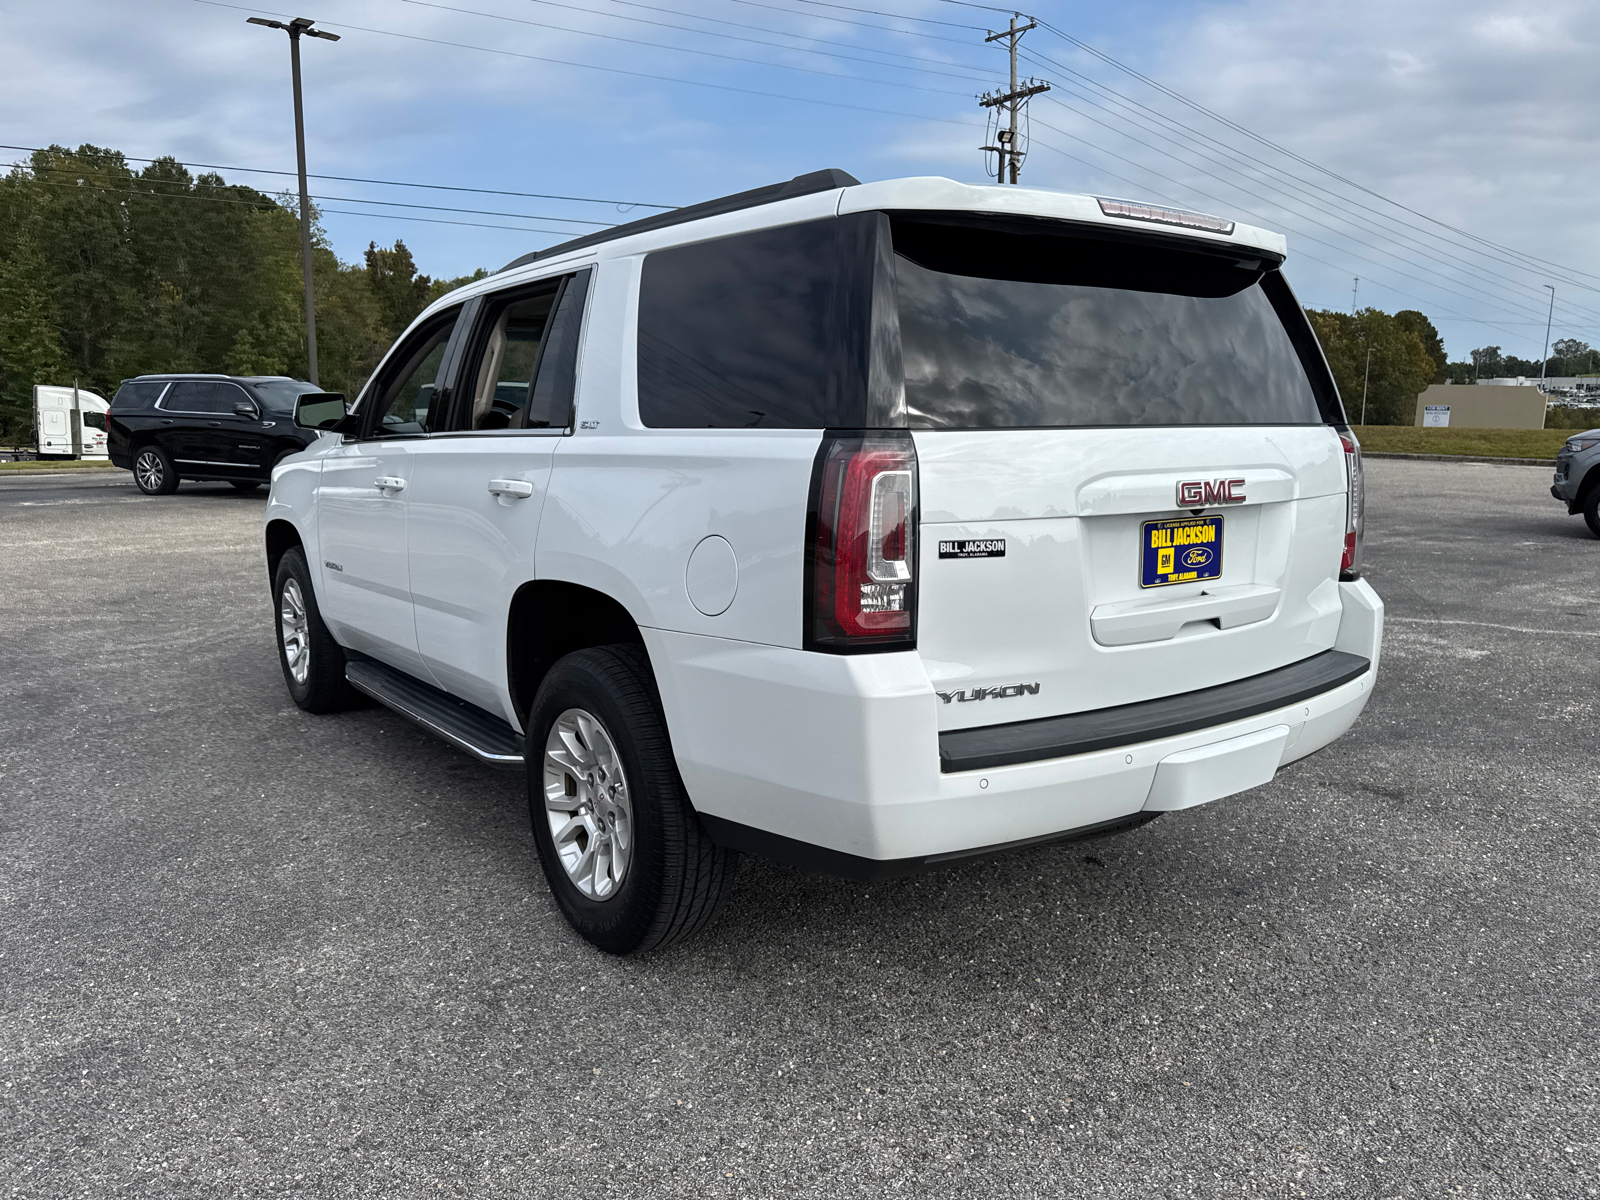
<point>1443,152</point>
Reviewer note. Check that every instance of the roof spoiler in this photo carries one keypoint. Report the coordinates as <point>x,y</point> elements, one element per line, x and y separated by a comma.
<point>800,185</point>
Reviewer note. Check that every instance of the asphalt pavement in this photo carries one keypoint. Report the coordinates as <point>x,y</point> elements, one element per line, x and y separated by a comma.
<point>249,952</point>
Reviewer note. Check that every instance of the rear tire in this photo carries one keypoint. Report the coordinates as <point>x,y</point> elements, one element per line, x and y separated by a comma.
<point>1591,510</point>
<point>600,766</point>
<point>312,662</point>
<point>153,471</point>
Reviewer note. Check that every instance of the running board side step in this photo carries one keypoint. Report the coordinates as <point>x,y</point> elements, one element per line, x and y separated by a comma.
<point>481,734</point>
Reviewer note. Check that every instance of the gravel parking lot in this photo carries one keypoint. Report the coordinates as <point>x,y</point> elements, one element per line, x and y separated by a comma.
<point>244,951</point>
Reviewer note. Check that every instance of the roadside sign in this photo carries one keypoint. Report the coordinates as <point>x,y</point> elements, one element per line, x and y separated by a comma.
<point>1437,415</point>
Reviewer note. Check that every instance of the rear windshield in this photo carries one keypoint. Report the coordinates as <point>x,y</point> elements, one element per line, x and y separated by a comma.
<point>1005,329</point>
<point>279,394</point>
<point>877,320</point>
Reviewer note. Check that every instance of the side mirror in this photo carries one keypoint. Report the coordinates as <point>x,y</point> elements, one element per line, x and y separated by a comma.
<point>320,410</point>
<point>244,409</point>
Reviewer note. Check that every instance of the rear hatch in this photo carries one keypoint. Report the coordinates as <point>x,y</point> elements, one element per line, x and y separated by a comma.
<point>1130,483</point>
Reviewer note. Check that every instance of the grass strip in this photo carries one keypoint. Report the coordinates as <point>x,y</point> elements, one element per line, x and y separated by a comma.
<point>1475,443</point>
<point>65,464</point>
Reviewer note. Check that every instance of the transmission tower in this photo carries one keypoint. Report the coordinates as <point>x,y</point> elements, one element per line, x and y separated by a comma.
<point>1009,148</point>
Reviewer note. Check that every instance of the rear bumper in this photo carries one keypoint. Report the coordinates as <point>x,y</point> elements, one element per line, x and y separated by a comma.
<point>841,754</point>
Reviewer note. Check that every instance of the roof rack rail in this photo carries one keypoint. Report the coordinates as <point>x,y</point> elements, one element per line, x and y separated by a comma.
<point>800,185</point>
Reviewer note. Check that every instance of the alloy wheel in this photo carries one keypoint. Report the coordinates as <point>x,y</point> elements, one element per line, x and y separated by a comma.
<point>586,803</point>
<point>150,471</point>
<point>295,629</point>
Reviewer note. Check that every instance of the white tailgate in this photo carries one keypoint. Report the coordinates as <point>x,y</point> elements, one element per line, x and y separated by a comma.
<point>1063,608</point>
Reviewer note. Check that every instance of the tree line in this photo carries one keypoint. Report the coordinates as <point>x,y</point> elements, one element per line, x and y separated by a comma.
<point>107,272</point>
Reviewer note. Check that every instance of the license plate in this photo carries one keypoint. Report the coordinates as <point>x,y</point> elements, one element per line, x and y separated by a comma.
<point>1184,550</point>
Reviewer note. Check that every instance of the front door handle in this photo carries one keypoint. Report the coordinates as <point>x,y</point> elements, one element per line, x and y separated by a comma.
<point>389,483</point>
<point>510,489</point>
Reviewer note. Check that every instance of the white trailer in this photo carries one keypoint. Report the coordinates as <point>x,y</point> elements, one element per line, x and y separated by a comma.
<point>69,422</point>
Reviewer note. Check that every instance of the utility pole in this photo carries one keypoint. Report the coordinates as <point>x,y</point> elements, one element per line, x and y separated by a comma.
<point>1549,317</point>
<point>1009,149</point>
<point>294,29</point>
<point>1365,375</point>
<point>1355,288</point>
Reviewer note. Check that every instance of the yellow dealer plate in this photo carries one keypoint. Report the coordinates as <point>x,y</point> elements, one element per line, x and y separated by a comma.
<point>1185,550</point>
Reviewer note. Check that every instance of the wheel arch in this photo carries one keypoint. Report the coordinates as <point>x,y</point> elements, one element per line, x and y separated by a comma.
<point>551,618</point>
<point>281,537</point>
<point>1591,481</point>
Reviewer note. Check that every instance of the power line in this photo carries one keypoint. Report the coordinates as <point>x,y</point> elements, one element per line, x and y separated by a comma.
<point>1232,183</point>
<point>901,16</point>
<point>1182,99</point>
<point>932,37</point>
<point>1225,203</point>
<point>1476,249</point>
<point>135,193</point>
<point>721,87</point>
<point>140,182</point>
<point>1241,157</point>
<point>440,187</point>
<point>785,33</point>
<point>614,37</point>
<point>964,74</point>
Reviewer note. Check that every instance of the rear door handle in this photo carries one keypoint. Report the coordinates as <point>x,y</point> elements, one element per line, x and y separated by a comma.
<point>1134,621</point>
<point>389,483</point>
<point>510,489</point>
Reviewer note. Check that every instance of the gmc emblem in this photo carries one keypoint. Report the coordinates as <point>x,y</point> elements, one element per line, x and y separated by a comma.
<point>1194,493</point>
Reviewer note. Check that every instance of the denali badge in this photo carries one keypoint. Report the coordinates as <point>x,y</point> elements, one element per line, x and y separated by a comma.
<point>1193,493</point>
<point>973,548</point>
<point>1003,692</point>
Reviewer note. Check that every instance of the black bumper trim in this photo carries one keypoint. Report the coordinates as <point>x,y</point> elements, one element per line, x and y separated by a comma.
<point>822,861</point>
<point>1081,733</point>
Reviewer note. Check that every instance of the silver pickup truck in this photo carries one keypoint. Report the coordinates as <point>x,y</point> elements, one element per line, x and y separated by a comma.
<point>1577,479</point>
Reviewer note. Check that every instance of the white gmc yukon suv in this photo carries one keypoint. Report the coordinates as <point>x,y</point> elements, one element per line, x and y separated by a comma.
<point>862,526</point>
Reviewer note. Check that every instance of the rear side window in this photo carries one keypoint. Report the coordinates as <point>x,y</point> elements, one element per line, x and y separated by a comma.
<point>762,330</point>
<point>137,395</point>
<point>201,396</point>
<point>1003,329</point>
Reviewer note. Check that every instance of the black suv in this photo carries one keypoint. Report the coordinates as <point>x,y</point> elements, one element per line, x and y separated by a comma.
<point>235,428</point>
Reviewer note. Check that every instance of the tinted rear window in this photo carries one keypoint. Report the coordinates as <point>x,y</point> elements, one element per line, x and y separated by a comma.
<point>137,395</point>
<point>279,394</point>
<point>1004,329</point>
<point>767,330</point>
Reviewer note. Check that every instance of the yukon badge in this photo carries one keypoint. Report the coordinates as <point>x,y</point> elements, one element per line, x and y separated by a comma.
<point>1195,493</point>
<point>1003,692</point>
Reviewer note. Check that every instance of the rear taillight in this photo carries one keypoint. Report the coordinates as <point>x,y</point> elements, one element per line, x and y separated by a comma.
<point>1355,505</point>
<point>861,589</point>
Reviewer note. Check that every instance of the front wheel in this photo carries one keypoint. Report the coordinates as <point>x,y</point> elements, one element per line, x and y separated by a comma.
<point>1591,510</point>
<point>153,472</point>
<point>312,662</point>
<point>625,856</point>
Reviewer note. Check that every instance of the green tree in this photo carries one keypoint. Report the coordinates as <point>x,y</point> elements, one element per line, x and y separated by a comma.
<point>30,348</point>
<point>1400,365</point>
<point>1410,318</point>
<point>399,291</point>
<point>106,272</point>
<point>1488,362</point>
